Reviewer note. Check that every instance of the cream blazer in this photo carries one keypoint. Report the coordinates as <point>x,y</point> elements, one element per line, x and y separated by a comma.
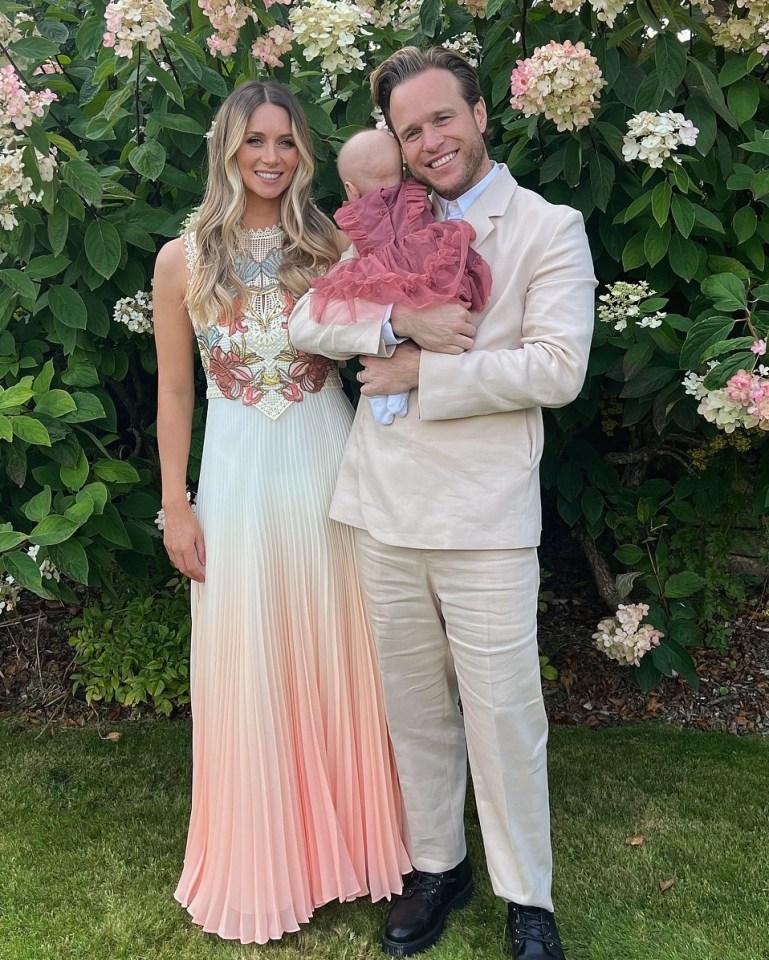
<point>461,470</point>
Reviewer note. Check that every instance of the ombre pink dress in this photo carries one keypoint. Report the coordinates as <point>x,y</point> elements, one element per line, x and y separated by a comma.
<point>295,800</point>
<point>405,256</point>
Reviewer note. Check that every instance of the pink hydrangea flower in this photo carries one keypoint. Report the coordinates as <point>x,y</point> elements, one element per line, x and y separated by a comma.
<point>562,81</point>
<point>759,348</point>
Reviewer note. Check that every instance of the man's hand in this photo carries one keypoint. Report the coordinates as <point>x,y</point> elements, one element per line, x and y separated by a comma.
<point>396,374</point>
<point>447,328</point>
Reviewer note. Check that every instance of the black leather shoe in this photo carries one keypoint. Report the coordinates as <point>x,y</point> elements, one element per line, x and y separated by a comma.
<point>417,917</point>
<point>534,933</point>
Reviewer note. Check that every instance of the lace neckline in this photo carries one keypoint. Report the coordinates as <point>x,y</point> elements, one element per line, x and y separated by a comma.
<point>262,231</point>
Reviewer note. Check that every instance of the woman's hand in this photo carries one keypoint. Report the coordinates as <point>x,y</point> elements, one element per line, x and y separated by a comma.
<point>183,540</point>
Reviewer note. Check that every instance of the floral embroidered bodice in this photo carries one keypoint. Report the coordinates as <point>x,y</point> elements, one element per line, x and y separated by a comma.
<point>252,359</point>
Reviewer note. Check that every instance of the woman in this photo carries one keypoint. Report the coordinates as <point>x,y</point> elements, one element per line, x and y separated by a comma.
<point>294,797</point>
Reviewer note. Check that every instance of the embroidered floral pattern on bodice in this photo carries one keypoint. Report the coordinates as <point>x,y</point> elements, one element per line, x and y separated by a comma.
<point>251,358</point>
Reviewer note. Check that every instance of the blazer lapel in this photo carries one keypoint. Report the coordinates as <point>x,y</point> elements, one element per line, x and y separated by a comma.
<point>492,203</point>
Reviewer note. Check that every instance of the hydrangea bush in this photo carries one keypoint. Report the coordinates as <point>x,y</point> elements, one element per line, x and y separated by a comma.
<point>651,118</point>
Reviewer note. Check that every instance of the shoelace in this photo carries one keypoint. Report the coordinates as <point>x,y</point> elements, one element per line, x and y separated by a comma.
<point>428,883</point>
<point>532,924</point>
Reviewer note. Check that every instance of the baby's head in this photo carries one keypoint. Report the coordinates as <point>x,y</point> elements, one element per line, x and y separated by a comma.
<point>369,161</point>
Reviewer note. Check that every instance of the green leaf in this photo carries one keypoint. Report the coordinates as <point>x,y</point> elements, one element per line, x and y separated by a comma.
<point>46,266</point>
<point>89,36</point>
<point>177,121</point>
<point>633,255</point>
<point>213,83</point>
<point>55,403</point>
<point>96,493</point>
<point>683,214</point>
<point>23,569</point>
<point>759,184</point>
<point>735,68</point>
<point>742,100</point>
<point>572,162</point>
<point>637,358</point>
<point>429,15</point>
<point>75,477</point>
<point>670,60</point>
<point>682,585</point>
<point>727,346</point>
<point>648,382</point>
<point>656,243</point>
<point>592,505</point>
<point>636,207</point>
<point>16,395</point>
<point>167,82</point>
<point>103,247</point>
<point>58,228</point>
<point>702,335</point>
<point>726,291</point>
<point>744,224</point>
<point>30,431</point>
<point>18,282</point>
<point>706,219</point>
<point>115,471</point>
<point>68,307</point>
<point>757,146</point>
<point>704,120</point>
<point>39,506</point>
<point>10,539</point>
<point>148,159</point>
<point>35,48</point>
<point>52,529</point>
<point>6,433</point>
<point>88,407</point>
<point>661,196</point>
<point>70,558</point>
<point>725,370</point>
<point>570,481</point>
<point>602,177</point>
<point>83,179</point>
<point>629,554</point>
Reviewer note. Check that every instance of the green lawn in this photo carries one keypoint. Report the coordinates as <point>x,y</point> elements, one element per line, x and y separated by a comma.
<point>92,835</point>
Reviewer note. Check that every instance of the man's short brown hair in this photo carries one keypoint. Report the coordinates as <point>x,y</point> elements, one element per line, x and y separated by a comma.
<point>409,62</point>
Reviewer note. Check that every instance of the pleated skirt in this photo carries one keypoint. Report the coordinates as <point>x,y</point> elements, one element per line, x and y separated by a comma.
<point>295,801</point>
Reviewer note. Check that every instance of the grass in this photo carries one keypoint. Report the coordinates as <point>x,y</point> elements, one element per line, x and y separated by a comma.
<point>92,835</point>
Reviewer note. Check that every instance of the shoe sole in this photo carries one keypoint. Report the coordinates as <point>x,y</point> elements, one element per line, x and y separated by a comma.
<point>394,949</point>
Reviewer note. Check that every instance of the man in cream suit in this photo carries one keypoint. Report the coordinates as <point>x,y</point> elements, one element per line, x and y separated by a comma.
<point>446,507</point>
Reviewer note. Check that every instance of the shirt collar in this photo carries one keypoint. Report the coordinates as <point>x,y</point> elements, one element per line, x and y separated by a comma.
<point>468,199</point>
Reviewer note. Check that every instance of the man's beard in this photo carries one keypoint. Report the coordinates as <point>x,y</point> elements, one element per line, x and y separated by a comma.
<point>474,157</point>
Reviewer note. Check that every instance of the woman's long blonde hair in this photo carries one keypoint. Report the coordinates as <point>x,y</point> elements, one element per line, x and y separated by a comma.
<point>309,244</point>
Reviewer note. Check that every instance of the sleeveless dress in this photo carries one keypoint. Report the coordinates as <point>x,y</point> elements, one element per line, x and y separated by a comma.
<point>295,799</point>
<point>405,256</point>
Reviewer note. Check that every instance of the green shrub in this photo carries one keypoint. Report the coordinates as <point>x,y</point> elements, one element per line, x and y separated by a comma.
<point>134,652</point>
<point>78,463</point>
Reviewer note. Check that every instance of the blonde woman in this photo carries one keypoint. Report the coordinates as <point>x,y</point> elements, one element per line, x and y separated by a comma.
<point>294,797</point>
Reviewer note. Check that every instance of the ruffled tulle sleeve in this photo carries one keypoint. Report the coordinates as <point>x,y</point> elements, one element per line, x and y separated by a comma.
<point>417,213</point>
<point>348,218</point>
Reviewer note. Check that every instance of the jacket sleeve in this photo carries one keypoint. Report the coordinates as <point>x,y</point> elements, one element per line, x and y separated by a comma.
<point>548,368</point>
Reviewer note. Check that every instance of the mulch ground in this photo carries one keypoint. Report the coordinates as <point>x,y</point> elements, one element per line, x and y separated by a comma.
<point>36,664</point>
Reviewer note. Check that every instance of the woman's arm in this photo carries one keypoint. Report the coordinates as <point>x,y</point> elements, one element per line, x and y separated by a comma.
<point>174,340</point>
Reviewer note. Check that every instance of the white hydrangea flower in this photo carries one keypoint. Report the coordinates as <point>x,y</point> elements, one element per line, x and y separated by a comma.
<point>9,594</point>
<point>328,30</point>
<point>47,570</point>
<point>624,637</point>
<point>160,519</point>
<point>135,312</point>
<point>623,302</point>
<point>467,45</point>
<point>652,137</point>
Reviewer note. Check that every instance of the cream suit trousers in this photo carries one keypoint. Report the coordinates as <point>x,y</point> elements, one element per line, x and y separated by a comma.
<point>461,624</point>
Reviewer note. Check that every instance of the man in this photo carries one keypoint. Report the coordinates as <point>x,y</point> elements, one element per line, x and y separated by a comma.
<point>446,507</point>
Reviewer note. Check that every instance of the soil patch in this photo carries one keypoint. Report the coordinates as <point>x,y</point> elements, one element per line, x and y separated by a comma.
<point>36,666</point>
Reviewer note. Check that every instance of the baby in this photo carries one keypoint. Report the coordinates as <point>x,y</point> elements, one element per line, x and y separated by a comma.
<point>404,254</point>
